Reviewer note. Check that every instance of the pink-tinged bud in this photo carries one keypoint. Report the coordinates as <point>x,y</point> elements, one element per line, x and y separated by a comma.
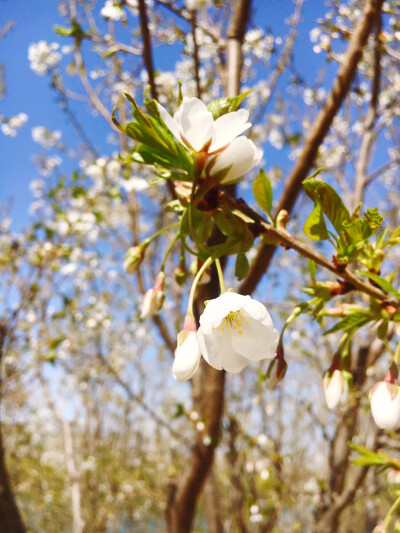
<point>384,398</point>
<point>154,298</point>
<point>393,477</point>
<point>276,369</point>
<point>187,356</point>
<point>336,388</point>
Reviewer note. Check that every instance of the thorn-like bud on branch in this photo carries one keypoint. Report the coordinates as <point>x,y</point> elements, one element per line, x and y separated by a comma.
<point>282,219</point>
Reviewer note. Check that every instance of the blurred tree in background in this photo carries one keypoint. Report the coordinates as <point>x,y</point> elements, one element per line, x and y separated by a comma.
<point>96,435</point>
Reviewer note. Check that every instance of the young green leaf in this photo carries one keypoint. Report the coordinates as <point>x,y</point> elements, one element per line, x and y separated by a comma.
<point>355,320</point>
<point>315,226</point>
<point>383,284</point>
<point>312,269</point>
<point>262,190</point>
<point>242,266</point>
<point>226,105</point>
<point>330,201</point>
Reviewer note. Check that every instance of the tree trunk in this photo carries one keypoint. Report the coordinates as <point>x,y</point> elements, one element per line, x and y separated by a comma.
<point>10,519</point>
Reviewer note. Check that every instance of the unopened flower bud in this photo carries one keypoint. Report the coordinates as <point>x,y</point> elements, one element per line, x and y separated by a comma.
<point>154,298</point>
<point>187,353</point>
<point>385,404</point>
<point>336,388</point>
<point>276,369</point>
<point>133,257</point>
<point>180,275</point>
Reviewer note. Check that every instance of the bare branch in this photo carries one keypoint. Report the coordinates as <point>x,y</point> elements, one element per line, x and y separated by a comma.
<point>317,134</point>
<point>147,52</point>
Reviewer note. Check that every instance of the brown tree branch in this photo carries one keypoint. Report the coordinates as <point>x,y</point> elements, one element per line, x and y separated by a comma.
<point>372,113</point>
<point>317,134</point>
<point>208,383</point>
<point>10,518</point>
<point>147,52</point>
<point>284,238</point>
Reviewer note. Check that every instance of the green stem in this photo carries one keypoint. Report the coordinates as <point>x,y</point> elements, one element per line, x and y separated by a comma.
<point>220,276</point>
<point>169,250</point>
<point>389,516</point>
<point>396,356</point>
<point>205,265</point>
<point>198,169</point>
<point>161,231</point>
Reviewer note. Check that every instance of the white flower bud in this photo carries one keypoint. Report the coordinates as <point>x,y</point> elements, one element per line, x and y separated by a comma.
<point>385,404</point>
<point>187,356</point>
<point>336,388</point>
<point>154,298</point>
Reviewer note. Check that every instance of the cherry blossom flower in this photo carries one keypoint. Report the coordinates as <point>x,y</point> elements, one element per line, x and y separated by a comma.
<point>43,56</point>
<point>235,329</point>
<point>238,158</point>
<point>191,5</point>
<point>194,126</point>
<point>187,356</point>
<point>336,388</point>
<point>385,404</point>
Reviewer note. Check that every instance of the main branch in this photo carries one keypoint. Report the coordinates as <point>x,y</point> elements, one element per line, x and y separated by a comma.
<point>340,88</point>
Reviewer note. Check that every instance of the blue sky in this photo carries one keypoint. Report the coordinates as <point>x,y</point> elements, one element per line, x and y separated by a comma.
<point>29,93</point>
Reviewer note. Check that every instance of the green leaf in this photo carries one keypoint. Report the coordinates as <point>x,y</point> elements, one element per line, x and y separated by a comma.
<point>226,105</point>
<point>330,201</point>
<point>262,191</point>
<point>383,284</point>
<point>355,320</point>
<point>374,219</point>
<point>315,226</point>
<point>312,269</point>
<point>242,266</point>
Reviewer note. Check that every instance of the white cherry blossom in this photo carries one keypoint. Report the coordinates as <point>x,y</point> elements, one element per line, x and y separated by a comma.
<point>43,56</point>
<point>385,404</point>
<point>194,126</point>
<point>336,389</point>
<point>187,356</point>
<point>191,5</point>
<point>235,329</point>
<point>238,158</point>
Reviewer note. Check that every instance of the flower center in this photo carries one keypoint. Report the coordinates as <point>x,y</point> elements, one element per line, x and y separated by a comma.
<point>234,321</point>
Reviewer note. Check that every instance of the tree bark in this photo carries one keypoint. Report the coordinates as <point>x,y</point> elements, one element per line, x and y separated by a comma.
<point>10,518</point>
<point>208,383</point>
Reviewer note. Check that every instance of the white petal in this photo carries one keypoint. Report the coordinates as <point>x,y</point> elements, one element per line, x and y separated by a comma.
<point>258,339</point>
<point>228,127</point>
<point>217,350</point>
<point>333,389</point>
<point>196,122</point>
<point>257,311</point>
<point>187,356</point>
<point>218,308</point>
<point>241,155</point>
<point>384,408</point>
<point>169,122</point>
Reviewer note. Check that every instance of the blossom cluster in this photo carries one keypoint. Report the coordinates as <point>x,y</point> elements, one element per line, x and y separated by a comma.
<point>229,154</point>
<point>43,57</point>
<point>10,126</point>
